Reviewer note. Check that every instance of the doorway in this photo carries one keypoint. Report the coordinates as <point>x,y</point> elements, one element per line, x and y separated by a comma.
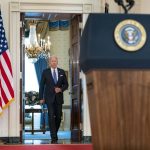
<point>16,8</point>
<point>59,28</point>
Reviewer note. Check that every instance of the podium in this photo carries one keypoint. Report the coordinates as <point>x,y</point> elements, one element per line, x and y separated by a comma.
<point>118,84</point>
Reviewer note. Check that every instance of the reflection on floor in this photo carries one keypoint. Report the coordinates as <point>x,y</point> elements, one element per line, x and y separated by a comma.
<point>46,142</point>
<point>40,136</point>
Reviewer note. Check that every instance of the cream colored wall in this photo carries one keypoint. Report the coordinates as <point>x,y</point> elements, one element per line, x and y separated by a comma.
<point>145,6</point>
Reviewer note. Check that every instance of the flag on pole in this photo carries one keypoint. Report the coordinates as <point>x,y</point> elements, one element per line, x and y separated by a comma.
<point>6,76</point>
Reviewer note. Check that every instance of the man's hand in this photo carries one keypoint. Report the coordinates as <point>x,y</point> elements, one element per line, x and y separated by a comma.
<point>58,90</point>
<point>42,101</point>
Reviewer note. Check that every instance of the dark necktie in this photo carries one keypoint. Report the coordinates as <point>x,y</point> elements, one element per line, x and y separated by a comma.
<point>54,76</point>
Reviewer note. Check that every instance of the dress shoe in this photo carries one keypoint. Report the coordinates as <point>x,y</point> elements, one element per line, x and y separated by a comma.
<point>54,142</point>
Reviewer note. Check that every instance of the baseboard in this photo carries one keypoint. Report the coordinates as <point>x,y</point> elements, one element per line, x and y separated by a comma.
<point>10,140</point>
<point>87,139</point>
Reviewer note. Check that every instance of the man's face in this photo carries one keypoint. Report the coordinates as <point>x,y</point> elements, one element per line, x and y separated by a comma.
<point>53,62</point>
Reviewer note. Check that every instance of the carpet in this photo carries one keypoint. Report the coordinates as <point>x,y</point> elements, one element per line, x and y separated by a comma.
<point>48,147</point>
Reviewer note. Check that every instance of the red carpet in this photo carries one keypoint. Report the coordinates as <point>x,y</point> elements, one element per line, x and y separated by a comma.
<point>48,147</point>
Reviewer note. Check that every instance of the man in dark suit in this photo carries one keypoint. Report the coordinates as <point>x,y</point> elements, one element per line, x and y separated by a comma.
<point>53,84</point>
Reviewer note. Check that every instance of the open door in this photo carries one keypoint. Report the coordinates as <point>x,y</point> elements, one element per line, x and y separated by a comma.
<point>75,80</point>
<point>21,78</point>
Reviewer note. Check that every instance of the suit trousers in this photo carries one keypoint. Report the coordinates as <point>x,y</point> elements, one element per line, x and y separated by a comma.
<point>54,115</point>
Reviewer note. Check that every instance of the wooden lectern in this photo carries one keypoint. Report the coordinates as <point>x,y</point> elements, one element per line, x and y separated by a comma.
<point>118,84</point>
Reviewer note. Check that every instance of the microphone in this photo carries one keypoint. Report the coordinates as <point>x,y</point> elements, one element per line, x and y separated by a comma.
<point>125,7</point>
<point>130,4</point>
<point>119,2</point>
<point>106,8</point>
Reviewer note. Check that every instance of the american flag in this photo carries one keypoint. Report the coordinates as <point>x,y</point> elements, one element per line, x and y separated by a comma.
<point>6,77</point>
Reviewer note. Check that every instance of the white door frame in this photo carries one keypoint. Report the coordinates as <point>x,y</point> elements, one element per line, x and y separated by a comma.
<point>16,7</point>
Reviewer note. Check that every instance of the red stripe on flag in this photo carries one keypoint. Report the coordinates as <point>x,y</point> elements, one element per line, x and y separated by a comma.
<point>7,60</point>
<point>0,103</point>
<point>4,97</point>
<point>0,96</point>
<point>7,81</point>
<point>0,89</point>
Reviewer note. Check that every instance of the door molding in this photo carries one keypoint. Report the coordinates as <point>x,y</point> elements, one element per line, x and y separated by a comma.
<point>16,7</point>
<point>51,6</point>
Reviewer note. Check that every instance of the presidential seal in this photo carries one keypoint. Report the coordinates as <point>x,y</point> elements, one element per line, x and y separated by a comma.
<point>130,35</point>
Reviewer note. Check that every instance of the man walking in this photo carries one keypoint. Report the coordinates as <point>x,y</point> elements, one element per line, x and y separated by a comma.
<point>53,84</point>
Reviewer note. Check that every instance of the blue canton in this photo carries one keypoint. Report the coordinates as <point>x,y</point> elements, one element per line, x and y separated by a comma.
<point>3,41</point>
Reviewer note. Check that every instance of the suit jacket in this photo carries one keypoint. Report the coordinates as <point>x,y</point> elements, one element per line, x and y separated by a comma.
<point>47,85</point>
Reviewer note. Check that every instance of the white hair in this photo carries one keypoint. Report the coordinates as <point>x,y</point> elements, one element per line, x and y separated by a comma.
<point>53,56</point>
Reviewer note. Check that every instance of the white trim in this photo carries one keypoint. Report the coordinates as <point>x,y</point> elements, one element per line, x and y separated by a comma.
<point>56,1</point>
<point>15,57</point>
<point>47,6</point>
